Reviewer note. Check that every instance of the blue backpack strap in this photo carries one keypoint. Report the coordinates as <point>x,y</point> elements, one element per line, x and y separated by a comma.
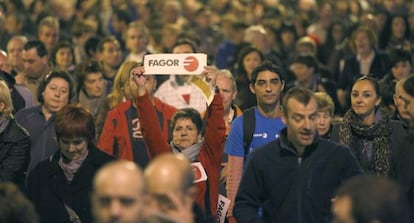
<point>249,125</point>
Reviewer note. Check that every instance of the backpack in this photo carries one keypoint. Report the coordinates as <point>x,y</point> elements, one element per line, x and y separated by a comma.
<point>249,125</point>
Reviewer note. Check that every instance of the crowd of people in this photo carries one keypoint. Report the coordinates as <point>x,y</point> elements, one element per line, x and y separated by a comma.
<point>311,117</point>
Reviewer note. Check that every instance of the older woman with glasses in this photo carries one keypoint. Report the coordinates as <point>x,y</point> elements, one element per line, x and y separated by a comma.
<point>14,142</point>
<point>60,186</point>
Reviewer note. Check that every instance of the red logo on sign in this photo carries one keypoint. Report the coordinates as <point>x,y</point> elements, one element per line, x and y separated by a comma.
<point>197,173</point>
<point>190,63</point>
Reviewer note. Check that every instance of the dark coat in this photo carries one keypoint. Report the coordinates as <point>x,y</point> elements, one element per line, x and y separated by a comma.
<point>397,134</point>
<point>380,66</point>
<point>290,188</point>
<point>403,168</point>
<point>48,188</point>
<point>14,153</point>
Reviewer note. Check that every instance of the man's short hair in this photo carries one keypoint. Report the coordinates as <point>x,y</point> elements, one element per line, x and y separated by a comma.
<point>373,198</point>
<point>139,26</point>
<point>408,85</point>
<point>308,60</point>
<point>227,73</point>
<point>307,42</point>
<point>185,41</point>
<point>49,21</point>
<point>39,45</point>
<point>303,95</point>
<point>399,55</point>
<point>267,66</point>
<point>104,40</point>
<point>80,28</point>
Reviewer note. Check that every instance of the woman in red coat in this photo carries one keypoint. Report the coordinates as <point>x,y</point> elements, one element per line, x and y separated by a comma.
<point>204,147</point>
<point>121,135</point>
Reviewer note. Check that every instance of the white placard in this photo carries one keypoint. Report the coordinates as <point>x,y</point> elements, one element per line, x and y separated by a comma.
<point>175,63</point>
<point>199,172</point>
<point>222,207</point>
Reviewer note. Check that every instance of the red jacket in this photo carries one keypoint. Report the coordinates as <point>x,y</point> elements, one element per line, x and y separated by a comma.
<point>211,152</point>
<point>117,133</point>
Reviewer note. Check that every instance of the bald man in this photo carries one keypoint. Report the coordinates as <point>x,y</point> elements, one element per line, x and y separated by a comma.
<point>169,183</point>
<point>21,95</point>
<point>118,193</point>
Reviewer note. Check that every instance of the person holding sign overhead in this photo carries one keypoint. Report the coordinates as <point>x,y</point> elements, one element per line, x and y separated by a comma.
<point>202,145</point>
<point>178,90</point>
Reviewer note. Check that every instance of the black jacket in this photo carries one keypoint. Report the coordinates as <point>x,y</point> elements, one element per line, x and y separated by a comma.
<point>14,153</point>
<point>48,188</point>
<point>403,169</point>
<point>17,98</point>
<point>289,188</point>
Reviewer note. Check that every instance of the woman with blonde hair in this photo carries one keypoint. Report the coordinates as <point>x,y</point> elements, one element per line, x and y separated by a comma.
<point>121,135</point>
<point>14,142</point>
<point>120,93</point>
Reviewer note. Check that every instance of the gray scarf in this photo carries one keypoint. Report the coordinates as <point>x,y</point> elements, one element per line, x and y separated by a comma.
<point>190,152</point>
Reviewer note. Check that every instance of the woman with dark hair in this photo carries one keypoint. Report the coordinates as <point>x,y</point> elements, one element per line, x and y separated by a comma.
<point>335,48</point>
<point>14,142</point>
<point>60,186</point>
<point>366,129</point>
<point>248,59</point>
<point>54,92</point>
<point>401,67</point>
<point>396,34</point>
<point>287,38</point>
<point>91,85</point>
<point>63,57</point>
<point>203,145</point>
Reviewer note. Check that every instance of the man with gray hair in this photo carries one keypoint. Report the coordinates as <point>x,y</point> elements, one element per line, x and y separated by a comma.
<point>404,156</point>
<point>48,32</point>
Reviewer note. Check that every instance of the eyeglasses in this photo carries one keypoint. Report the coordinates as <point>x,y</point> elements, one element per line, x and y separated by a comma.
<point>75,142</point>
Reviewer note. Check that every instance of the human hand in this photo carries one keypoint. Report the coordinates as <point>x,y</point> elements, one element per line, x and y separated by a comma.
<point>210,75</point>
<point>137,75</point>
<point>224,174</point>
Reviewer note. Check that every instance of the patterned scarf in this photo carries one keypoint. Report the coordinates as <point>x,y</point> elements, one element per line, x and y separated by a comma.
<point>70,169</point>
<point>353,130</point>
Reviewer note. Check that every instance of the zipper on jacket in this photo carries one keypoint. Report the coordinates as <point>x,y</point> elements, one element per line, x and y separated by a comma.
<point>299,191</point>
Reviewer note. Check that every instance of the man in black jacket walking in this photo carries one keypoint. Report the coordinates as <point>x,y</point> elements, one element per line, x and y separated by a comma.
<point>293,178</point>
<point>403,165</point>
